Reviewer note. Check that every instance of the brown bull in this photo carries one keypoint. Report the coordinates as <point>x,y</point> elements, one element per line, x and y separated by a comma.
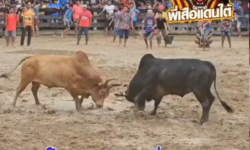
<point>73,73</point>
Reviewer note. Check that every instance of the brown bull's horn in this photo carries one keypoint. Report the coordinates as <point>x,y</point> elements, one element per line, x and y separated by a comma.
<point>107,81</point>
<point>113,85</point>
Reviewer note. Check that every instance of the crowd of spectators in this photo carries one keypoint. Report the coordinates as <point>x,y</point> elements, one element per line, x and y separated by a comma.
<point>242,8</point>
<point>58,8</point>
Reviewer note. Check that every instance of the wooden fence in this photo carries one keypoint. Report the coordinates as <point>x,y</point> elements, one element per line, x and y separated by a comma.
<point>56,23</point>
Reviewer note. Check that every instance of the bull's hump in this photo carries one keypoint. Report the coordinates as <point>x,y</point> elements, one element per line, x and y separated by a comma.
<point>82,57</point>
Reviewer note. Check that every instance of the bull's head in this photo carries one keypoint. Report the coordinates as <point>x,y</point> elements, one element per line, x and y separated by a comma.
<point>101,91</point>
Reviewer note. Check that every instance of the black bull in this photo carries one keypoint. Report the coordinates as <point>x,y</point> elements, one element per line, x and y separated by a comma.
<point>156,78</point>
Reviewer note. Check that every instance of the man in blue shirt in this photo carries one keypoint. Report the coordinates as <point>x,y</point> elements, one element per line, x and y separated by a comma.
<point>67,20</point>
<point>55,5</point>
<point>236,5</point>
<point>149,23</point>
<point>168,4</point>
<point>134,12</point>
<point>63,4</point>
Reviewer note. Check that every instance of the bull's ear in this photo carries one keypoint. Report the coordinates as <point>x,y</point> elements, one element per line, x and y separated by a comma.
<point>100,84</point>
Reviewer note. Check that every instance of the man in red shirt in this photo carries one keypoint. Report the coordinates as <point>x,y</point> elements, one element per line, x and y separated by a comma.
<point>85,21</point>
<point>11,20</point>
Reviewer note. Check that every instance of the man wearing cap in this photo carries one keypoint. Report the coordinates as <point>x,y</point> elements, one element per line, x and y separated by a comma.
<point>149,24</point>
<point>85,21</point>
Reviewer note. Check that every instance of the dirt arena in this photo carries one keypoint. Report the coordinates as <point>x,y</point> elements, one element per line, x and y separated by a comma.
<point>56,122</point>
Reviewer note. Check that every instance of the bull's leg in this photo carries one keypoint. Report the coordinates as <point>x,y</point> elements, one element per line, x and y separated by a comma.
<point>34,89</point>
<point>203,44</point>
<point>79,107</point>
<point>201,97</point>
<point>81,99</point>
<point>84,95</point>
<point>210,99</point>
<point>24,83</point>
<point>157,102</point>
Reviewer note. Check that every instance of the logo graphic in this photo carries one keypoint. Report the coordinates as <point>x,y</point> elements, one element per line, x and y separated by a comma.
<point>200,10</point>
<point>50,148</point>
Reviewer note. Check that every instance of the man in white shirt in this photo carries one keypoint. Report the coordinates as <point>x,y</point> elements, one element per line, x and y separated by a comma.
<point>109,9</point>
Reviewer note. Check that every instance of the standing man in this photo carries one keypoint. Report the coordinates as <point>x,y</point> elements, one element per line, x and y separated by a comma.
<point>206,33</point>
<point>161,27</point>
<point>56,6</point>
<point>77,11</point>
<point>67,20</point>
<point>11,21</point>
<point>116,21</point>
<point>109,9</point>
<point>85,21</point>
<point>237,15</point>
<point>134,13</point>
<point>28,15</point>
<point>36,9</point>
<point>124,25</point>
<point>149,24</point>
<point>2,14</point>
<point>226,31</point>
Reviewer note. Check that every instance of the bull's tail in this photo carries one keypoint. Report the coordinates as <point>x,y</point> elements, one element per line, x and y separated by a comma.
<point>6,75</point>
<point>224,104</point>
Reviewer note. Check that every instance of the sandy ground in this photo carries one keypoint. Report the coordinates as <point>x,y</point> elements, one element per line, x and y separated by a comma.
<point>175,127</point>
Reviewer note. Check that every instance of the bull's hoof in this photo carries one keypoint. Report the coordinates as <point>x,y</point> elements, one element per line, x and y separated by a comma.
<point>139,113</point>
<point>13,105</point>
<point>203,120</point>
<point>80,110</point>
<point>153,113</point>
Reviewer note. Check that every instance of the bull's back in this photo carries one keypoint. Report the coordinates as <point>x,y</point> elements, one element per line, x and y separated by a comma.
<point>180,71</point>
<point>49,70</point>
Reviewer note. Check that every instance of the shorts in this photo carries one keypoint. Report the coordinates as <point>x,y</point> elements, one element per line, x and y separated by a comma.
<point>75,22</point>
<point>123,33</point>
<point>116,31</point>
<point>67,25</point>
<point>11,34</point>
<point>226,33</point>
<point>108,22</point>
<point>36,21</point>
<point>134,23</point>
<point>238,23</point>
<point>149,35</point>
<point>207,32</point>
<point>84,30</point>
<point>161,32</point>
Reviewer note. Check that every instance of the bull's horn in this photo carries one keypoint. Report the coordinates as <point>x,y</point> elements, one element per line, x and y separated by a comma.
<point>107,81</point>
<point>113,85</point>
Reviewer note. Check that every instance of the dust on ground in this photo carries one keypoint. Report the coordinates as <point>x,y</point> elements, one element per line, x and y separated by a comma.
<point>56,123</point>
